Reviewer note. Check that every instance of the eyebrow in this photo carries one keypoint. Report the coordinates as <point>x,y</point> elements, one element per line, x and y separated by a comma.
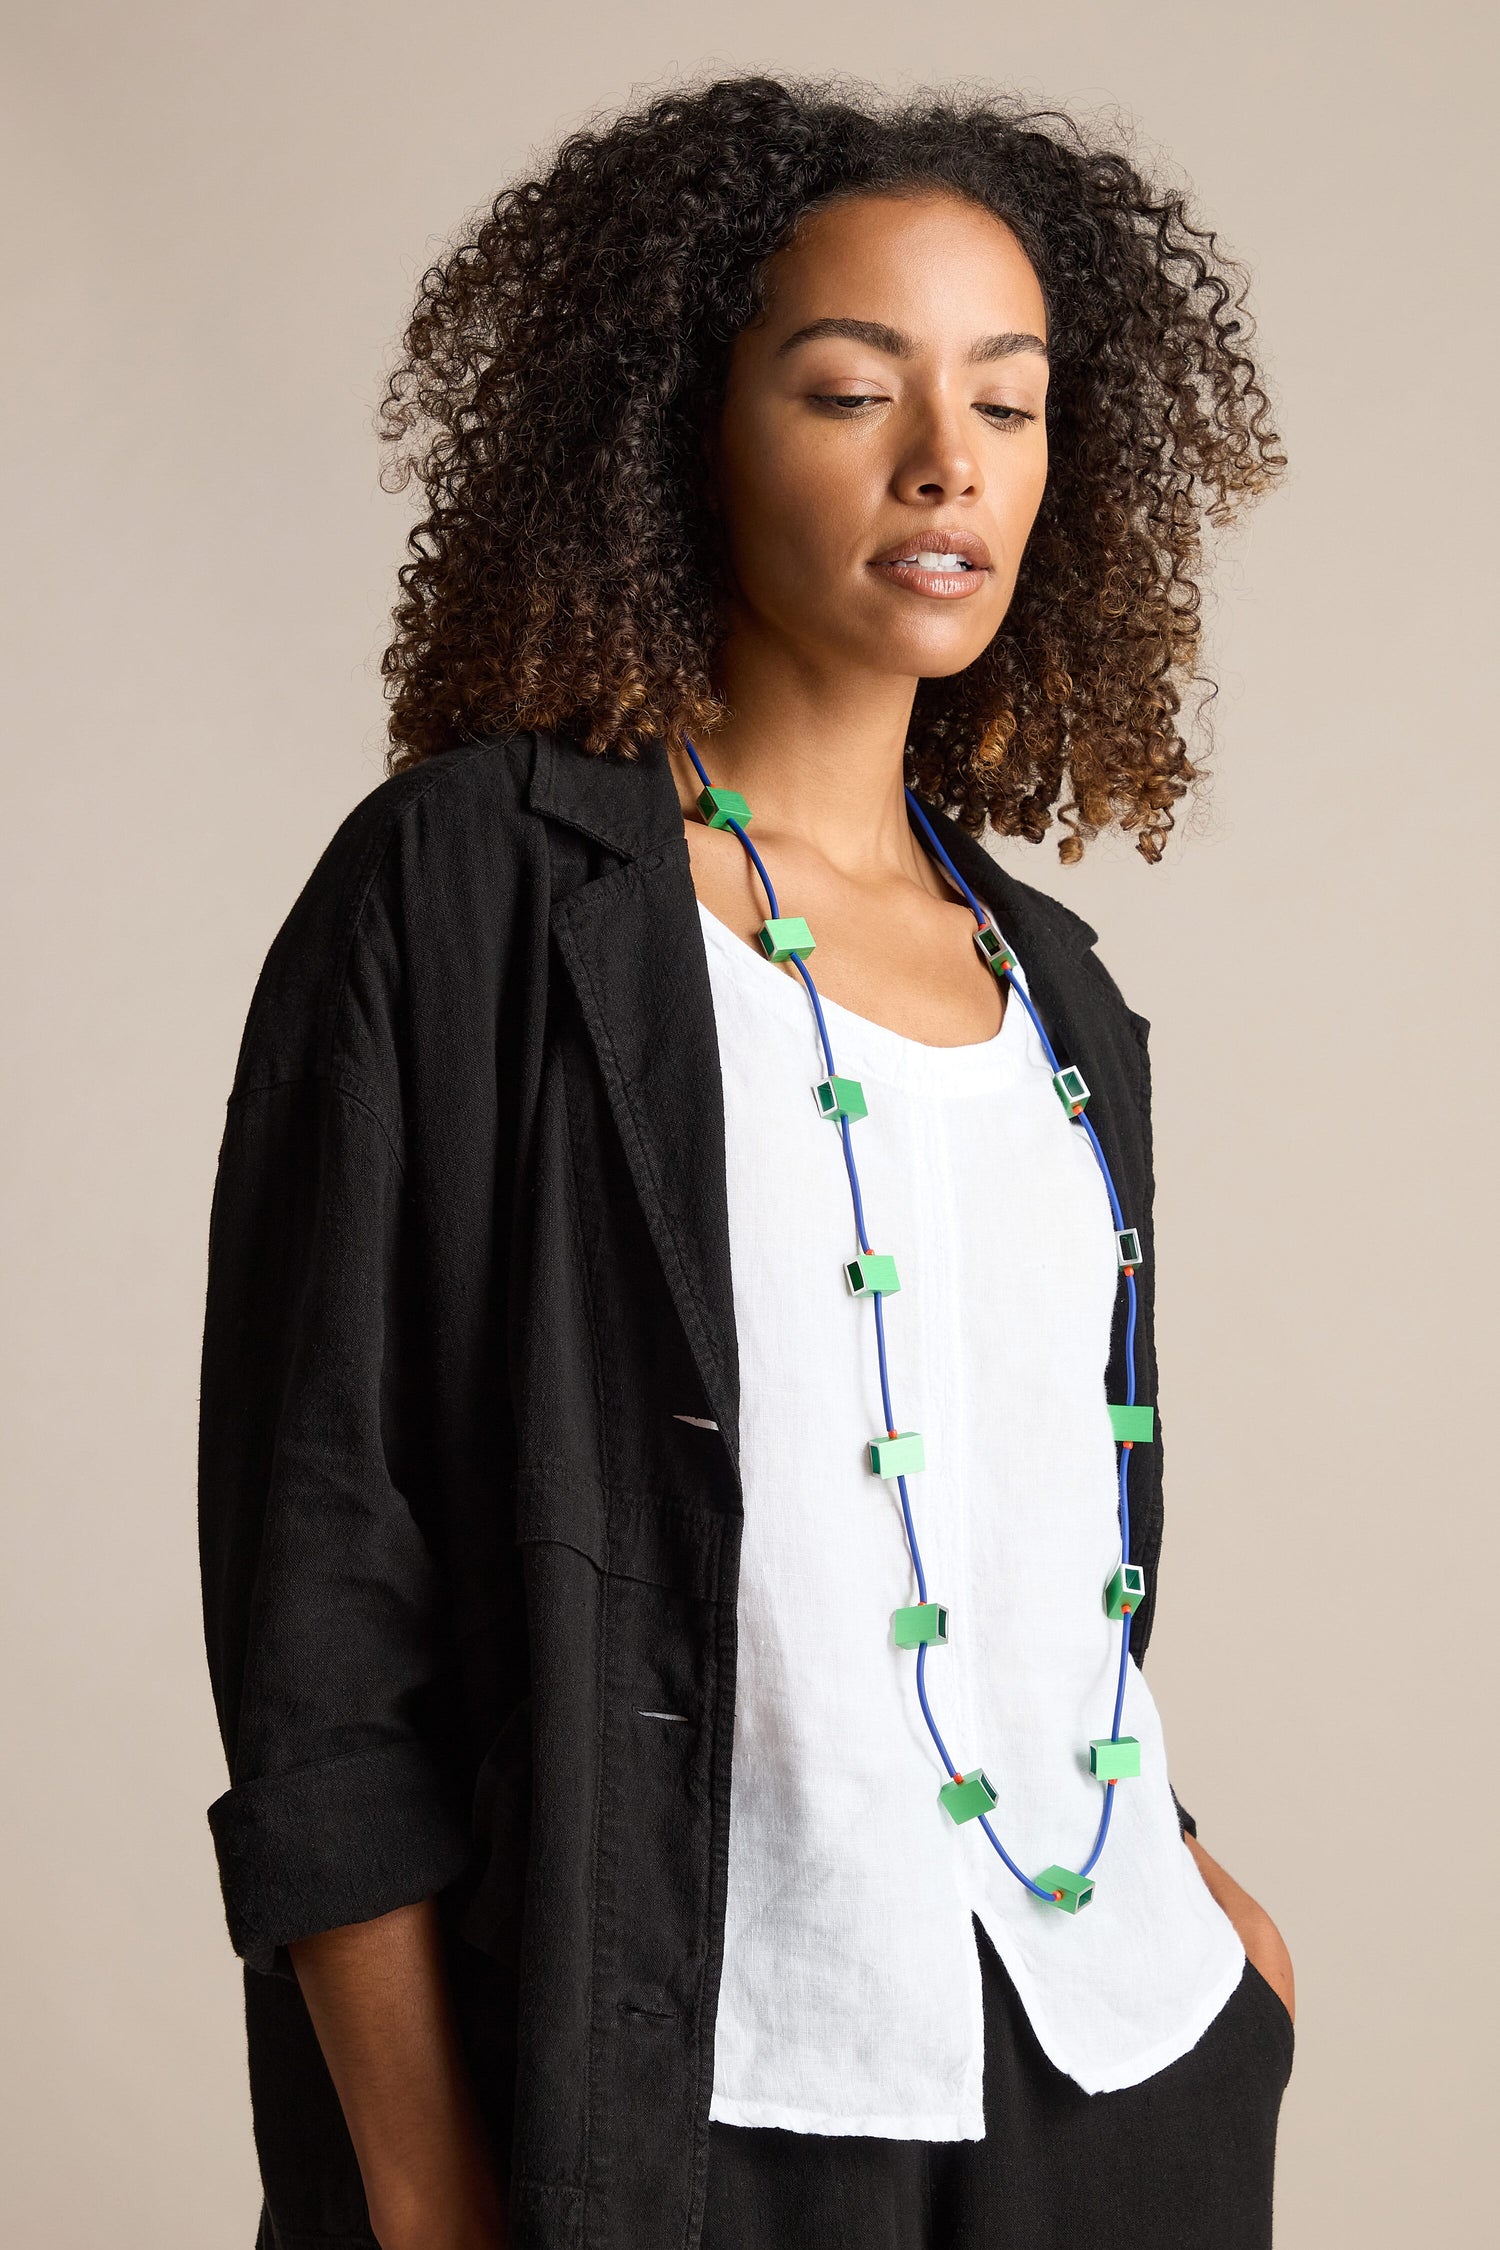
<point>900,346</point>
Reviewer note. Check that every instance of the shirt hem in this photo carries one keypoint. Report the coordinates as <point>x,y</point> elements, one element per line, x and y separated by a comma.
<point>966,2125</point>
<point>1150,2060</point>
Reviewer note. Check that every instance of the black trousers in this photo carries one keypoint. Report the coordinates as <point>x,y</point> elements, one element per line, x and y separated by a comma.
<point>1183,2161</point>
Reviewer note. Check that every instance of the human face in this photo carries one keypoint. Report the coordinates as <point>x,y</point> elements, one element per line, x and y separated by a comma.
<point>886,410</point>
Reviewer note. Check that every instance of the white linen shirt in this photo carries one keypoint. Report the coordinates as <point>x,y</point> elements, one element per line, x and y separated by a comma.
<point>850,1999</point>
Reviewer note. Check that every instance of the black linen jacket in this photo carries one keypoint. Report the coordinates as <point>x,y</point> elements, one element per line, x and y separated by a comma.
<point>468,1278</point>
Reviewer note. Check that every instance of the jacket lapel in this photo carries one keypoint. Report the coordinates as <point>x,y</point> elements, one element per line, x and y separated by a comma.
<point>633,948</point>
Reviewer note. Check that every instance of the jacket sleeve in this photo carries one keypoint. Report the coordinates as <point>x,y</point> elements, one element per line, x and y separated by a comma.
<point>320,1593</point>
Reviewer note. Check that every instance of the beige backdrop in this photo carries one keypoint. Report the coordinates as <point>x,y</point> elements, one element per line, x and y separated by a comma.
<point>217,215</point>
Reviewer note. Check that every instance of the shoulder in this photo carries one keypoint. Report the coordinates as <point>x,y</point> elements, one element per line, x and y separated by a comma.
<point>466,802</point>
<point>419,871</point>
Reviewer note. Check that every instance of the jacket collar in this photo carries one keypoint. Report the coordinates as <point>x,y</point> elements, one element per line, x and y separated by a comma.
<point>629,805</point>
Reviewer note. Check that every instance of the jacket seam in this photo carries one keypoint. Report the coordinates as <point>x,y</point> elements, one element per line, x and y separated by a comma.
<point>338,1082</point>
<point>376,853</point>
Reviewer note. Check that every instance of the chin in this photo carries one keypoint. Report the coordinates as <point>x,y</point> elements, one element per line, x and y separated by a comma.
<point>926,656</point>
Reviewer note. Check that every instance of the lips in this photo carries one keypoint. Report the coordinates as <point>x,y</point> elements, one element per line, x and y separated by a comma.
<point>942,563</point>
<point>937,539</point>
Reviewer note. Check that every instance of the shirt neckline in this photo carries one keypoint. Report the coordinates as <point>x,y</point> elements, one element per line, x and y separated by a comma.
<point>862,1047</point>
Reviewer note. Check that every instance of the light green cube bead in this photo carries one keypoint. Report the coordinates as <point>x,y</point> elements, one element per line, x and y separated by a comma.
<point>872,1271</point>
<point>1116,1761</point>
<point>1133,1425</point>
<point>785,935</point>
<point>1069,1891</point>
<point>720,806</point>
<point>967,1799</point>
<point>898,1456</point>
<point>924,1623</point>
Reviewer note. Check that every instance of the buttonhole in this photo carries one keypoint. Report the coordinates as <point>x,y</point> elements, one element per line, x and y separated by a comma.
<point>695,1421</point>
<point>677,1718</point>
<point>655,2015</point>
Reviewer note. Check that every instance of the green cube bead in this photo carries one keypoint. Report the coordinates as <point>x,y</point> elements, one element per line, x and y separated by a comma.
<point>1133,1425</point>
<point>898,1456</point>
<point>1069,1891</point>
<point>1116,1761</point>
<point>967,1799</point>
<point>1128,1249</point>
<point>720,806</point>
<point>840,1097</point>
<point>993,951</point>
<point>1072,1089</point>
<point>1126,1590</point>
<point>924,1622</point>
<point>785,935</point>
<point>870,1272</point>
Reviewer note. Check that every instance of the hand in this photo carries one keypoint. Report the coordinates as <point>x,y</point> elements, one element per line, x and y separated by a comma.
<point>1263,1942</point>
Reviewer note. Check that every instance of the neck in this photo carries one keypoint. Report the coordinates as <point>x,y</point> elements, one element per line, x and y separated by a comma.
<point>819,752</point>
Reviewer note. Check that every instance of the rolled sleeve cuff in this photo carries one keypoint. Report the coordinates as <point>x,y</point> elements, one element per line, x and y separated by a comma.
<point>327,1844</point>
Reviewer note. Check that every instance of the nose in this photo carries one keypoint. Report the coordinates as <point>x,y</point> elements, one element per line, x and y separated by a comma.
<point>939,460</point>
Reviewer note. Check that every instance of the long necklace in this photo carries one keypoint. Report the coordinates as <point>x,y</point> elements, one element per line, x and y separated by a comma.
<point>899,1454</point>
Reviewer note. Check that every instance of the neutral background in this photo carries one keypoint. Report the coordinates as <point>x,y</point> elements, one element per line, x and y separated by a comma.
<point>216,217</point>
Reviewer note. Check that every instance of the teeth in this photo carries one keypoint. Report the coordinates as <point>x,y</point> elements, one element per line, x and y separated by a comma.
<point>929,561</point>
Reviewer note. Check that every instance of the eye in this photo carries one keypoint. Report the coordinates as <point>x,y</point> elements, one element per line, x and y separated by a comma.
<point>1003,417</point>
<point>846,402</point>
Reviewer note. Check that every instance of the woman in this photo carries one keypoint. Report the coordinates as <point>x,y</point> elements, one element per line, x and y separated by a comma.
<point>663,1323</point>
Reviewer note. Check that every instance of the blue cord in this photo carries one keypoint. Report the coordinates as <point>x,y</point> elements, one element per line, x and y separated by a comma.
<point>877,1299</point>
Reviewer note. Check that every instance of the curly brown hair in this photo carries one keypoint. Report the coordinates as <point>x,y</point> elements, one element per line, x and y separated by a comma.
<point>567,354</point>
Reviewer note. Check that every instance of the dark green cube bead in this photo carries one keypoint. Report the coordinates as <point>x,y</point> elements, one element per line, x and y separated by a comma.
<point>925,1623</point>
<point>720,806</point>
<point>872,1271</point>
<point>784,935</point>
<point>993,951</point>
<point>840,1097</point>
<point>1128,1248</point>
<point>1116,1761</point>
<point>1069,1891</point>
<point>967,1799</point>
<point>1072,1089</point>
<point>1126,1590</point>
